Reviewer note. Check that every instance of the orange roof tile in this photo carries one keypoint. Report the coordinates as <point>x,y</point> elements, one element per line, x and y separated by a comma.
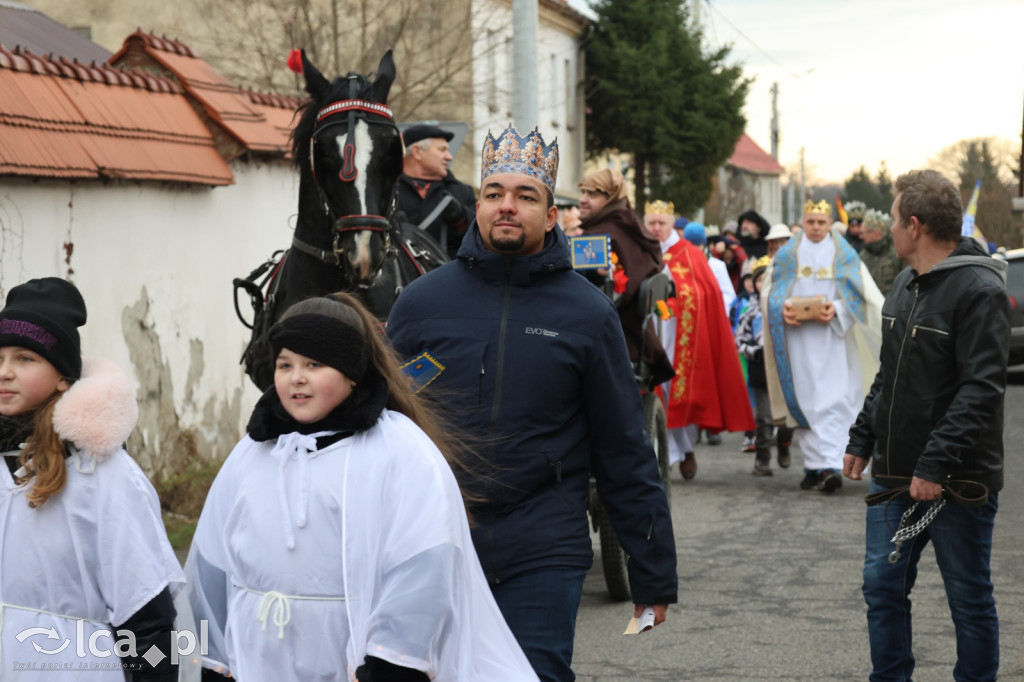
<point>750,157</point>
<point>260,123</point>
<point>60,118</point>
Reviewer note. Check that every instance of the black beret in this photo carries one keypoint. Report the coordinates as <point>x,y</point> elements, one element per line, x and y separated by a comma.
<point>423,131</point>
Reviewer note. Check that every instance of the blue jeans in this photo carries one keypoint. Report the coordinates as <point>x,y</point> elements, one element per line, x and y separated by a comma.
<point>962,540</point>
<point>540,608</point>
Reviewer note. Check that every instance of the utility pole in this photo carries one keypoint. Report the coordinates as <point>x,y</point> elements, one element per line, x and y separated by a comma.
<point>775,121</point>
<point>1020,167</point>
<point>525,105</point>
<point>803,182</point>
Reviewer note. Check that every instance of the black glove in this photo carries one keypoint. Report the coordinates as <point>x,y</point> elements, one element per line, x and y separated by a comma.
<point>453,213</point>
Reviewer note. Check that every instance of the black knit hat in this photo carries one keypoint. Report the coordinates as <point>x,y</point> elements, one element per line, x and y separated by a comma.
<point>43,315</point>
<point>325,339</point>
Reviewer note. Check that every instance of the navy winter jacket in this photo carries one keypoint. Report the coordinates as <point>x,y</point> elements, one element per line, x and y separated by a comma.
<point>536,371</point>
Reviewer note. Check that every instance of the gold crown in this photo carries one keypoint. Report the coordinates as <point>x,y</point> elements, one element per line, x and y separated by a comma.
<point>659,207</point>
<point>762,262</point>
<point>820,207</point>
<point>527,154</point>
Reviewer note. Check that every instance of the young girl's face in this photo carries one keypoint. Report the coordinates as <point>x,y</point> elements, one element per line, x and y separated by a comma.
<point>309,390</point>
<point>27,380</point>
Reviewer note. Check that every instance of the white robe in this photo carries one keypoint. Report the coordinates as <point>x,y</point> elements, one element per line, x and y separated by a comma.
<point>96,552</point>
<point>832,364</point>
<point>305,561</point>
<point>721,272</point>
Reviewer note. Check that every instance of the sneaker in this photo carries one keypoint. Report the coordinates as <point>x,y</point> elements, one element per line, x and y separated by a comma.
<point>714,439</point>
<point>784,458</point>
<point>830,481</point>
<point>748,444</point>
<point>810,480</point>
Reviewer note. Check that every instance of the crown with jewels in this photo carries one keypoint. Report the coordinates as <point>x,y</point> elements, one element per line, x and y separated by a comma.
<point>526,154</point>
<point>820,207</point>
<point>659,207</point>
<point>877,220</point>
<point>855,210</point>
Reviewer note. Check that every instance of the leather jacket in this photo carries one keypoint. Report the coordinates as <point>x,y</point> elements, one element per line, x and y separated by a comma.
<point>935,409</point>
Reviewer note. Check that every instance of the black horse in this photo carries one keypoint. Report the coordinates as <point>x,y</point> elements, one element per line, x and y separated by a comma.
<point>349,152</point>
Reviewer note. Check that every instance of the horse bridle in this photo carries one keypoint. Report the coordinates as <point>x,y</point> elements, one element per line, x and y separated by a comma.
<point>355,109</point>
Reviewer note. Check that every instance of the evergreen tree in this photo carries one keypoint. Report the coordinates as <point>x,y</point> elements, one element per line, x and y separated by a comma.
<point>885,196</point>
<point>653,93</point>
<point>860,187</point>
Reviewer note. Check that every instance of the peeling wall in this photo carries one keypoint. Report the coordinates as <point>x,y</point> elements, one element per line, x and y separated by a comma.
<point>154,264</point>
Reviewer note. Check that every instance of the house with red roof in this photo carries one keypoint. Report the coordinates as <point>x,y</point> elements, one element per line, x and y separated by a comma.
<point>151,182</point>
<point>749,179</point>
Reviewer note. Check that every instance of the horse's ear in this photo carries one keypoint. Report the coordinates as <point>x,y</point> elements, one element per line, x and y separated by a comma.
<point>385,77</point>
<point>316,84</point>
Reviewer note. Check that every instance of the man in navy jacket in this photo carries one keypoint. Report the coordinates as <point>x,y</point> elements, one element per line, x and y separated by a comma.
<point>533,367</point>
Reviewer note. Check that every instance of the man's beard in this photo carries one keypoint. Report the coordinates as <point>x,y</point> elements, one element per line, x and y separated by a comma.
<point>509,244</point>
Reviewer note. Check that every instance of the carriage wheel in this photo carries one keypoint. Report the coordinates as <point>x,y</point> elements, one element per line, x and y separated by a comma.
<point>656,426</point>
<point>613,557</point>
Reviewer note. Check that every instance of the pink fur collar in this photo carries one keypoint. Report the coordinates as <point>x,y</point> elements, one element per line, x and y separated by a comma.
<point>99,411</point>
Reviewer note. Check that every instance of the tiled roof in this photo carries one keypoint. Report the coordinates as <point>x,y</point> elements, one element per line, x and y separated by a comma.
<point>62,118</point>
<point>256,122</point>
<point>31,29</point>
<point>749,157</point>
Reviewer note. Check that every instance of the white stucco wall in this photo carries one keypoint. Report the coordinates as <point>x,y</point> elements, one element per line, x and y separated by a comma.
<point>155,264</point>
<point>558,69</point>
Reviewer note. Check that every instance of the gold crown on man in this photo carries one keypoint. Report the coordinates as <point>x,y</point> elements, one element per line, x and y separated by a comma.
<point>659,207</point>
<point>819,207</point>
<point>526,154</point>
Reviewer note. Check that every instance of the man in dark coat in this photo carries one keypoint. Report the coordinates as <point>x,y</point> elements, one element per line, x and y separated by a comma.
<point>531,362</point>
<point>932,429</point>
<point>753,232</point>
<point>604,209</point>
<point>428,194</point>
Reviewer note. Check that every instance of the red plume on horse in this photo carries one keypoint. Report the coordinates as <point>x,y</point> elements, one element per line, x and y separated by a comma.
<point>348,151</point>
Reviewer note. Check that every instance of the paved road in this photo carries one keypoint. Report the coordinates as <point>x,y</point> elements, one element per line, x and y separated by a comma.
<point>769,579</point>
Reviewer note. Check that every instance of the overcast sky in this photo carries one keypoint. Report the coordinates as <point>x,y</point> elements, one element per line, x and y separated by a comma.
<point>866,81</point>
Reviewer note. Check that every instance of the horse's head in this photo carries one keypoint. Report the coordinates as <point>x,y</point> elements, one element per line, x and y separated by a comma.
<point>347,140</point>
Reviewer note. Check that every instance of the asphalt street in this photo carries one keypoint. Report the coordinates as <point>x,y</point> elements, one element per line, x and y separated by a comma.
<point>770,578</point>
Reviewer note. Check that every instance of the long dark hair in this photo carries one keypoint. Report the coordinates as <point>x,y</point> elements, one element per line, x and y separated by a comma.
<point>350,310</point>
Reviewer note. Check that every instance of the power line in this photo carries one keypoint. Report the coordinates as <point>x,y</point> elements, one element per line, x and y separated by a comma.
<point>752,42</point>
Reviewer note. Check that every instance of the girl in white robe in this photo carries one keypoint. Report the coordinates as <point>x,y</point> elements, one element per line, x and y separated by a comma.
<point>334,543</point>
<point>87,576</point>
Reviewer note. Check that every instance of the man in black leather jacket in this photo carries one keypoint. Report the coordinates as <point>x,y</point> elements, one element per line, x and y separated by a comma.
<point>932,427</point>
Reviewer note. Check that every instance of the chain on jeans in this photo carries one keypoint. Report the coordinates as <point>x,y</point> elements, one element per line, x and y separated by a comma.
<point>906,532</point>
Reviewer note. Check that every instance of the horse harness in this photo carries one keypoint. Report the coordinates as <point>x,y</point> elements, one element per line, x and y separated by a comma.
<point>355,109</point>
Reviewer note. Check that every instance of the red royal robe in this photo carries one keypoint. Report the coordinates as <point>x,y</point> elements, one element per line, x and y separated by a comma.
<point>708,388</point>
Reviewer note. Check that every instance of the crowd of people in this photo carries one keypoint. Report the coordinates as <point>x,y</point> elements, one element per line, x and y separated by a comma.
<point>363,529</point>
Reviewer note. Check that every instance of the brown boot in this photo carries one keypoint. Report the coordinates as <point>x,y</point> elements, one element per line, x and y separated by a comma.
<point>688,467</point>
<point>784,458</point>
<point>762,462</point>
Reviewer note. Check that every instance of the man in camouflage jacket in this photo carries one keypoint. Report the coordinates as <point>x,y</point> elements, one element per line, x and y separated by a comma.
<point>879,252</point>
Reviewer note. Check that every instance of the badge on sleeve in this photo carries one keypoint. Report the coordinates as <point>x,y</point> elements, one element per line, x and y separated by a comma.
<point>422,369</point>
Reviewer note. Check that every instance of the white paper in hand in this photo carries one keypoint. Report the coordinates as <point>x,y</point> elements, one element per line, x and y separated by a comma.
<point>642,624</point>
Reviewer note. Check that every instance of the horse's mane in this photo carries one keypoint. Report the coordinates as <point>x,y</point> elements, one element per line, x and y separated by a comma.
<point>303,131</point>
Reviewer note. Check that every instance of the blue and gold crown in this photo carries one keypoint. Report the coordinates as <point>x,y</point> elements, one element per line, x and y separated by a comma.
<point>523,155</point>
